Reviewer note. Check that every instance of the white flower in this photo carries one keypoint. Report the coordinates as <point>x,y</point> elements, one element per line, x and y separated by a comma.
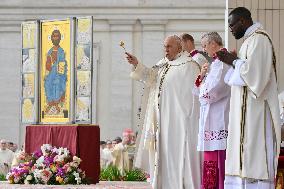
<point>66,152</point>
<point>39,162</point>
<point>55,150</point>
<point>59,158</point>
<point>16,179</point>
<point>26,181</point>
<point>8,175</point>
<point>37,175</point>
<point>29,177</point>
<point>77,177</point>
<point>60,151</point>
<point>76,159</point>
<point>79,180</point>
<point>76,174</point>
<point>45,148</point>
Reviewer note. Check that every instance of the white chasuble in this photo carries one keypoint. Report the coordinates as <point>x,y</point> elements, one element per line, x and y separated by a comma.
<point>167,147</point>
<point>249,139</point>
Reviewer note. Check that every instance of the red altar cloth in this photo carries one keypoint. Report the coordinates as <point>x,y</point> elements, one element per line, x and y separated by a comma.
<point>82,141</point>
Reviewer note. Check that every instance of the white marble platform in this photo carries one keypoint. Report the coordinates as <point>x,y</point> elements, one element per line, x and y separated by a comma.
<point>101,185</point>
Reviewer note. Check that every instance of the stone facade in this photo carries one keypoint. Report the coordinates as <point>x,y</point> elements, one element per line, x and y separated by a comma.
<point>141,24</point>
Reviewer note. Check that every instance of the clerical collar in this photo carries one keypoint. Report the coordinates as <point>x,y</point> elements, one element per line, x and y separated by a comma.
<point>215,57</point>
<point>193,52</point>
<point>177,56</point>
<point>252,29</point>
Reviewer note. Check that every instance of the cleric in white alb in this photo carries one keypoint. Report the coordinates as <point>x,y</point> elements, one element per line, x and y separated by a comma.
<point>254,122</point>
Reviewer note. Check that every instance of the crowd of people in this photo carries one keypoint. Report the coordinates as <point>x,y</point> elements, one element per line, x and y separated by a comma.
<point>211,123</point>
<point>8,155</point>
<point>119,152</point>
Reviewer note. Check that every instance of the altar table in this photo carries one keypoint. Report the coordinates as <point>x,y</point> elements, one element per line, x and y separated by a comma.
<point>82,141</point>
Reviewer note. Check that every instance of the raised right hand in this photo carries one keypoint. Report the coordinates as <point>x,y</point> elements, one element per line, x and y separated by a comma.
<point>131,59</point>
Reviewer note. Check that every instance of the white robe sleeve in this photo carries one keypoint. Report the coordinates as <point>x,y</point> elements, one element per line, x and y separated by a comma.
<point>214,88</point>
<point>144,74</point>
<point>233,76</point>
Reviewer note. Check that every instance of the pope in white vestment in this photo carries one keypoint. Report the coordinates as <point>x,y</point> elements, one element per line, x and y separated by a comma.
<point>167,147</point>
<point>254,124</point>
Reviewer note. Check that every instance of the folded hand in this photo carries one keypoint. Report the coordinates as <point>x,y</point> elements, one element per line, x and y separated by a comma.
<point>227,57</point>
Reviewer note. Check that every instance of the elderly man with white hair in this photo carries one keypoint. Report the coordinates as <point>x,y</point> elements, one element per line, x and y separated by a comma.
<point>214,98</point>
<point>6,157</point>
<point>168,140</point>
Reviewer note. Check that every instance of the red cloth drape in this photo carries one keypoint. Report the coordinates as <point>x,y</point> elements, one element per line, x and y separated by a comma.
<point>82,141</point>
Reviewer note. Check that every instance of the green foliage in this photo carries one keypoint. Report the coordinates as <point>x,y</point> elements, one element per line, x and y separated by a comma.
<point>2,177</point>
<point>135,175</point>
<point>111,173</point>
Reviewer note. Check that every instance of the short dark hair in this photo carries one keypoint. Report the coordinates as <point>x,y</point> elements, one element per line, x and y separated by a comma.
<point>102,142</point>
<point>241,12</point>
<point>118,139</point>
<point>186,37</point>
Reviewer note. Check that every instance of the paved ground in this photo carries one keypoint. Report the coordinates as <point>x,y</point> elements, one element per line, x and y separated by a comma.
<point>101,185</point>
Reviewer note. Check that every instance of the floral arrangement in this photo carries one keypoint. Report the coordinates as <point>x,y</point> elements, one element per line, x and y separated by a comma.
<point>49,165</point>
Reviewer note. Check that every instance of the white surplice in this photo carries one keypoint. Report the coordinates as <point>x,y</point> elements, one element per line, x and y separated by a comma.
<point>254,125</point>
<point>120,157</point>
<point>167,147</point>
<point>6,158</point>
<point>214,98</point>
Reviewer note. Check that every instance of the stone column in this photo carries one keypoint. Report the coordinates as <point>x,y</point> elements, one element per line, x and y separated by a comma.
<point>121,84</point>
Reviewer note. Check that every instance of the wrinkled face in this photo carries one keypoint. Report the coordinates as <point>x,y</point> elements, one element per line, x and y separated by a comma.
<point>3,145</point>
<point>236,25</point>
<point>55,38</point>
<point>187,45</point>
<point>208,47</point>
<point>171,48</point>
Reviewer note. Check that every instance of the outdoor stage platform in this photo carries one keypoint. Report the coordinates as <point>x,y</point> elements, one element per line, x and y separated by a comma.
<point>100,185</point>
